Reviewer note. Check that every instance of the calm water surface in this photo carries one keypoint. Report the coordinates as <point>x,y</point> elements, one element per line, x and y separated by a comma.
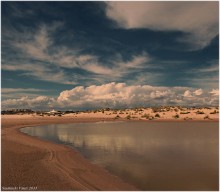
<point>150,155</point>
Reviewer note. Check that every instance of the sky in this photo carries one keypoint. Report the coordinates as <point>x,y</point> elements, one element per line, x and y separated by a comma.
<point>89,55</point>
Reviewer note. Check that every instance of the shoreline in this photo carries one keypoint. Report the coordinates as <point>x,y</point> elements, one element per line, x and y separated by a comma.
<point>32,162</point>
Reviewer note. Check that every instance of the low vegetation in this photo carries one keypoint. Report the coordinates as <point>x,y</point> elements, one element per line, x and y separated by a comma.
<point>145,116</point>
<point>176,110</point>
<point>200,112</point>
<point>128,117</point>
<point>117,117</point>
<point>207,117</point>
<point>187,118</point>
<point>148,113</point>
<point>176,116</point>
<point>157,115</point>
<point>214,112</point>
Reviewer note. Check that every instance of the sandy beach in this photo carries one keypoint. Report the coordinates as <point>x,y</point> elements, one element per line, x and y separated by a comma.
<point>34,164</point>
<point>30,163</point>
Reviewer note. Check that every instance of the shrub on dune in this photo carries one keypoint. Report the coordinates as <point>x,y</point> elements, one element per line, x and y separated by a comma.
<point>207,117</point>
<point>157,115</point>
<point>145,116</point>
<point>214,112</point>
<point>128,117</point>
<point>117,117</point>
<point>200,112</point>
<point>176,116</point>
<point>187,118</point>
<point>151,118</point>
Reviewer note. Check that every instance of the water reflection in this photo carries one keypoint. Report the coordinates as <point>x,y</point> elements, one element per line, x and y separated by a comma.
<point>152,155</point>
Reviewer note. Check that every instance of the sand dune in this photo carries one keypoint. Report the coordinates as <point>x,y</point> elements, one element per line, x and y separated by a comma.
<point>158,114</point>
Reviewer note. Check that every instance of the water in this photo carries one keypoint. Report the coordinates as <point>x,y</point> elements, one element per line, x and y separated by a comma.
<point>150,155</point>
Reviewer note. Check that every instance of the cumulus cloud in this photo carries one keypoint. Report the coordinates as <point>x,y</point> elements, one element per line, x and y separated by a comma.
<point>117,95</point>
<point>187,93</point>
<point>198,92</point>
<point>199,19</point>
<point>215,92</point>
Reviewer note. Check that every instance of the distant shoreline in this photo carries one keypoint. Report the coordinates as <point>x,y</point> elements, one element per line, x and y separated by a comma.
<point>152,113</point>
<point>28,161</point>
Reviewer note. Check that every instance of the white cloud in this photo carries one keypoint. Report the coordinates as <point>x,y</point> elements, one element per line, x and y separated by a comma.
<point>90,63</point>
<point>54,60</point>
<point>119,66</point>
<point>198,92</point>
<point>98,69</point>
<point>160,94</point>
<point>39,102</point>
<point>198,18</point>
<point>41,46</point>
<point>137,61</point>
<point>38,46</point>
<point>121,95</point>
<point>215,92</point>
<point>116,95</point>
<point>187,93</point>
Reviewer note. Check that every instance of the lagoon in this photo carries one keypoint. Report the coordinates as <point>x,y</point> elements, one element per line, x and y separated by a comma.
<point>149,155</point>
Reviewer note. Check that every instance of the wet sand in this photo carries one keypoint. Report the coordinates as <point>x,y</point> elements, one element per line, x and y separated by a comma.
<point>31,163</point>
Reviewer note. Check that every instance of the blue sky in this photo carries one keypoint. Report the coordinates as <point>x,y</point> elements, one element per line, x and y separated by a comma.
<point>94,54</point>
